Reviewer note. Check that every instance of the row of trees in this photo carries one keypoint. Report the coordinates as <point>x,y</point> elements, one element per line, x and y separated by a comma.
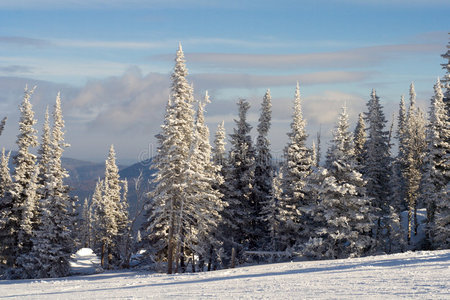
<point>214,208</point>
<point>37,214</point>
<point>211,209</point>
<point>40,226</point>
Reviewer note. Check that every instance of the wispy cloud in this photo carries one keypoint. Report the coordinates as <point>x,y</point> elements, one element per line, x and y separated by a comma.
<point>16,69</point>
<point>23,41</point>
<point>226,80</point>
<point>52,69</point>
<point>360,57</point>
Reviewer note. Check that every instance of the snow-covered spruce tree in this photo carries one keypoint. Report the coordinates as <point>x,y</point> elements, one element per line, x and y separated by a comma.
<point>398,165</point>
<point>203,201</point>
<point>44,156</point>
<point>240,213</point>
<point>264,172</point>
<point>376,168</point>
<point>53,241</point>
<point>342,214</point>
<point>296,167</point>
<point>100,214</point>
<point>437,168</point>
<point>359,138</point>
<point>172,164</point>
<point>13,239</point>
<point>110,209</point>
<point>414,149</point>
<point>220,160</point>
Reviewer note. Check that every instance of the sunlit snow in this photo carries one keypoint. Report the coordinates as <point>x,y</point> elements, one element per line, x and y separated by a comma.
<point>420,275</point>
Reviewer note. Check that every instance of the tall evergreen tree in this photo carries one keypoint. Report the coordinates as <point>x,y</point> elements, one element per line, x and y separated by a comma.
<point>399,165</point>
<point>436,177</point>
<point>414,149</point>
<point>172,165</point>
<point>239,180</point>
<point>203,201</point>
<point>53,242</point>
<point>376,168</point>
<point>297,166</point>
<point>110,215</point>
<point>263,169</point>
<point>14,240</point>
<point>343,216</point>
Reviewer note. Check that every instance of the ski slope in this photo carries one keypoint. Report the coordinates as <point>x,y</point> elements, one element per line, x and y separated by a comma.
<point>420,275</point>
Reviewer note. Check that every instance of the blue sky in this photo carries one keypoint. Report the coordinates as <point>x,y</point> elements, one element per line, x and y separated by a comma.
<point>111,61</point>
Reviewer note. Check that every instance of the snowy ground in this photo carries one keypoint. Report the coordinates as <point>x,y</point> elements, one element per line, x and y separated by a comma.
<point>420,275</point>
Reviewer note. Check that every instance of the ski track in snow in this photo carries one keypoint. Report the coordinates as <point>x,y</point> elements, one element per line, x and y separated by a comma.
<point>419,275</point>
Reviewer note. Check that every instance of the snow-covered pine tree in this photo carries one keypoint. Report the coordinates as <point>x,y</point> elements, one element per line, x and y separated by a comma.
<point>239,180</point>
<point>110,216</point>
<point>296,167</point>
<point>376,168</point>
<point>17,198</point>
<point>118,226</point>
<point>220,160</point>
<point>44,156</point>
<point>203,201</point>
<point>264,172</point>
<point>342,214</point>
<point>124,239</point>
<point>359,138</point>
<point>399,164</point>
<point>436,177</point>
<point>53,242</point>
<point>165,215</point>
<point>100,214</point>
<point>414,149</point>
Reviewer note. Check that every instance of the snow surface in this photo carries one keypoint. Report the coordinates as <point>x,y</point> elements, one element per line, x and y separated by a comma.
<point>420,275</point>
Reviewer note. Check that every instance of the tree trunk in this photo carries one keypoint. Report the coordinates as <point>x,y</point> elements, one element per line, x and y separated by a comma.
<point>170,248</point>
<point>233,257</point>
<point>416,224</point>
<point>103,255</point>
